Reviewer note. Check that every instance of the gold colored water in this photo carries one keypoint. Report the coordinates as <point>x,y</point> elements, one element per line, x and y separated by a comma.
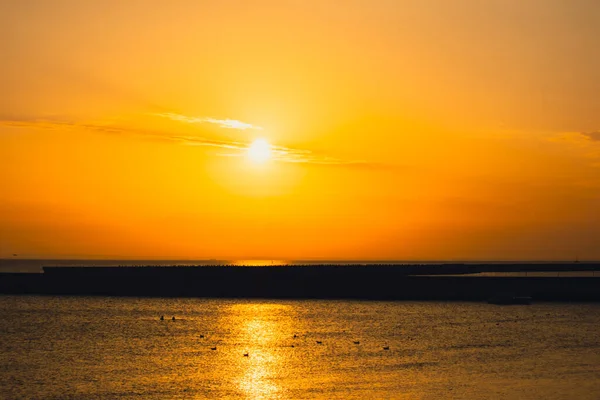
<point>106,348</point>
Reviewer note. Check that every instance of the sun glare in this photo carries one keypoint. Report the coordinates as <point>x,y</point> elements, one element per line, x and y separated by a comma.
<point>259,151</point>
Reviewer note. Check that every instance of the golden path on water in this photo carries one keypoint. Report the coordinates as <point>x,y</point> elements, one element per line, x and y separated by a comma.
<point>264,332</point>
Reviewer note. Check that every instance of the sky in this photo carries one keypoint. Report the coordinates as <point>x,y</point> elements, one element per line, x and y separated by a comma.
<point>394,129</point>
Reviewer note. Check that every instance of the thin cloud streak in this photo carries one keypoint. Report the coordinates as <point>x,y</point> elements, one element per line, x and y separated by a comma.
<point>279,153</point>
<point>585,139</point>
<point>592,135</point>
<point>585,145</point>
<point>223,123</point>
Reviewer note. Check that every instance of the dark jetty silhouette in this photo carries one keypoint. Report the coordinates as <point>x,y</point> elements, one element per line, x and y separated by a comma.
<point>376,282</point>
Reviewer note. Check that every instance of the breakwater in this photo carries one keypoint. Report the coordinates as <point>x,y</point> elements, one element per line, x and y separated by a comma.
<point>377,282</point>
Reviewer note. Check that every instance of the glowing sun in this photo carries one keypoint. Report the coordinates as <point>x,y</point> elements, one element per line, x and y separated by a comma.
<point>259,151</point>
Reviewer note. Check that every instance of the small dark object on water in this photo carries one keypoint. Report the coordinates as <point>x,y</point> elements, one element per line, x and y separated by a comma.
<point>162,317</point>
<point>201,336</point>
<point>295,336</point>
<point>173,318</point>
<point>356,342</point>
<point>213,348</point>
<point>245,354</point>
<point>386,348</point>
<point>319,342</point>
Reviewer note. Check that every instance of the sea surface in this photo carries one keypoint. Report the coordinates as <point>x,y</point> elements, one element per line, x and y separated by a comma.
<point>118,348</point>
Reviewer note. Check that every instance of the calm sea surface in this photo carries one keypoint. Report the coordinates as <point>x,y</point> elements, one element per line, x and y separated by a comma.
<point>118,348</point>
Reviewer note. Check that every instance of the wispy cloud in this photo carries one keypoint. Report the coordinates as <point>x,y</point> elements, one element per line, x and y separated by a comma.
<point>582,145</point>
<point>299,156</point>
<point>223,123</point>
<point>592,135</point>
<point>291,155</point>
<point>233,148</point>
<point>578,138</point>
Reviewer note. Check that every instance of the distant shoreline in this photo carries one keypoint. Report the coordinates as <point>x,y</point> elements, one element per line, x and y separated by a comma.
<point>35,265</point>
<point>375,282</point>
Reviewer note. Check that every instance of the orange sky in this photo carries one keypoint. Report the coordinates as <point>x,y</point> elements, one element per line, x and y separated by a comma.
<point>400,129</point>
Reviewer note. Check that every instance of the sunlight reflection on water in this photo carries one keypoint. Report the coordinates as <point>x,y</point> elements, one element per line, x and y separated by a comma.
<point>88,348</point>
<point>260,334</point>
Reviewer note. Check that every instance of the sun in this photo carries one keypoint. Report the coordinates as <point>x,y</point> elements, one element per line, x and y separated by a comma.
<point>259,151</point>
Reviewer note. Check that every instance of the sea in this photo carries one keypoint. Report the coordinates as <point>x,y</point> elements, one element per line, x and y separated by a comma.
<point>61,347</point>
